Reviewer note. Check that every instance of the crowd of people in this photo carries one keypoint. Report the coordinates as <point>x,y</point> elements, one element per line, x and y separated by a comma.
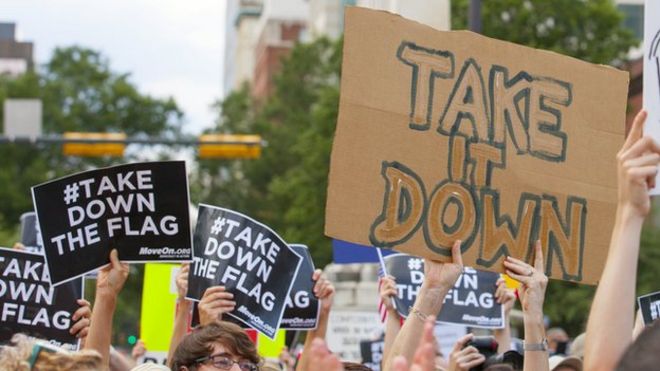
<point>612,340</point>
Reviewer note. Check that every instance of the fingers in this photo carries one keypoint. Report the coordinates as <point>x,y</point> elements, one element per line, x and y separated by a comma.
<point>471,360</point>
<point>114,259</point>
<point>316,275</point>
<point>646,144</point>
<point>636,131</point>
<point>84,311</point>
<point>400,364</point>
<point>456,256</point>
<point>217,296</point>
<point>424,358</point>
<point>78,326</point>
<point>212,290</point>
<point>538,256</point>
<point>460,343</point>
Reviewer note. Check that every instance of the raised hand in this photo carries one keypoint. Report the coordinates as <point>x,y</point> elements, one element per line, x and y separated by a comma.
<point>637,163</point>
<point>533,280</point>
<point>112,277</point>
<point>387,291</point>
<point>81,318</point>
<point>215,302</point>
<point>324,290</point>
<point>444,275</point>
<point>182,281</point>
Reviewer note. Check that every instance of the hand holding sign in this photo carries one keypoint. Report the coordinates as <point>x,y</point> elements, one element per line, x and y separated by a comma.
<point>638,162</point>
<point>215,302</point>
<point>533,280</point>
<point>81,317</point>
<point>182,281</point>
<point>112,277</point>
<point>443,275</point>
<point>387,291</point>
<point>323,289</point>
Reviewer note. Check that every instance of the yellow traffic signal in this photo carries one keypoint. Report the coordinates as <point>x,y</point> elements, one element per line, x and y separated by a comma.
<point>93,148</point>
<point>229,146</point>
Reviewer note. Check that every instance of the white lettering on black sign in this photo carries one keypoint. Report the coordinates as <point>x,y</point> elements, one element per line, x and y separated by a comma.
<point>249,259</point>
<point>470,302</point>
<point>30,305</point>
<point>140,209</point>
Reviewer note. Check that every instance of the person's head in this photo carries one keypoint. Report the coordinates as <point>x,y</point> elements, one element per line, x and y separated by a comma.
<point>577,346</point>
<point>213,347</point>
<point>352,366</point>
<point>557,340</point>
<point>643,353</point>
<point>26,354</point>
<point>561,363</point>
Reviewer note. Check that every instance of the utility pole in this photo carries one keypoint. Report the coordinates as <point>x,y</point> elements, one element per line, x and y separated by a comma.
<point>474,19</point>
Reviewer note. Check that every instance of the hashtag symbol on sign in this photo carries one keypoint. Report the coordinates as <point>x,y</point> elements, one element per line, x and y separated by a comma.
<point>415,264</point>
<point>71,193</point>
<point>217,225</point>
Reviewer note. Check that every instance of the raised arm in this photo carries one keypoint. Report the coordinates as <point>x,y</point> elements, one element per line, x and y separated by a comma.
<point>324,291</point>
<point>507,298</point>
<point>532,294</point>
<point>609,329</point>
<point>182,310</point>
<point>387,291</point>
<point>109,283</point>
<point>439,278</point>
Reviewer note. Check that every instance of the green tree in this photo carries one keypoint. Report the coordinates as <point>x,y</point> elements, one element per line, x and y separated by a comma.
<point>286,188</point>
<point>79,92</point>
<point>589,30</point>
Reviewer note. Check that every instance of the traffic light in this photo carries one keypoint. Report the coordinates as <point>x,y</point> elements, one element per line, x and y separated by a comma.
<point>94,144</point>
<point>229,146</point>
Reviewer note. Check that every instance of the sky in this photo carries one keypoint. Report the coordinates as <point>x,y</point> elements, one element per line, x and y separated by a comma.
<point>169,47</point>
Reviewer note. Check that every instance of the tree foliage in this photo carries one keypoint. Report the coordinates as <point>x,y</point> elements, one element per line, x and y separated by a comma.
<point>286,188</point>
<point>79,92</point>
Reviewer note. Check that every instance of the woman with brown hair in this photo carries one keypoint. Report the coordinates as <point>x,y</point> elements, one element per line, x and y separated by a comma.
<point>216,346</point>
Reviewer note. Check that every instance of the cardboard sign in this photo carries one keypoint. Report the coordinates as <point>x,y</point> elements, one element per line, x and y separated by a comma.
<point>650,306</point>
<point>249,259</point>
<point>652,73</point>
<point>302,307</point>
<point>446,136</point>
<point>471,302</point>
<point>140,209</point>
<point>30,305</point>
<point>372,353</point>
<point>347,328</point>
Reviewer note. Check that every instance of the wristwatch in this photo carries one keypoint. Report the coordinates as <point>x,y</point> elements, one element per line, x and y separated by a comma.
<point>534,347</point>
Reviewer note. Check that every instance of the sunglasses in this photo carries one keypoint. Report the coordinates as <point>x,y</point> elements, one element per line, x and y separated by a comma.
<point>223,362</point>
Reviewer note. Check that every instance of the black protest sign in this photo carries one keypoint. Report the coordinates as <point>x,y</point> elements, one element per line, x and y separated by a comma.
<point>140,209</point>
<point>471,302</point>
<point>372,353</point>
<point>30,233</point>
<point>30,305</point>
<point>249,259</point>
<point>650,307</point>
<point>302,307</point>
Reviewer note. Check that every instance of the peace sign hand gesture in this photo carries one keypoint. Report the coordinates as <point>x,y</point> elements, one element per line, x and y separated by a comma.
<point>533,280</point>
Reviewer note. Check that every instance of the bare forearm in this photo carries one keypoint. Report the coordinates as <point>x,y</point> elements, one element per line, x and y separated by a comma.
<point>536,360</point>
<point>392,328</point>
<point>319,332</point>
<point>100,329</point>
<point>503,336</point>
<point>429,302</point>
<point>180,326</point>
<point>612,311</point>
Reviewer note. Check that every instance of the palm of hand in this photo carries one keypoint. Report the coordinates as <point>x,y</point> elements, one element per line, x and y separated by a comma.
<point>112,279</point>
<point>437,274</point>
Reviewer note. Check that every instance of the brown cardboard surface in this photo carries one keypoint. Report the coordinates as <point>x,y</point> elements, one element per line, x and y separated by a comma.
<point>408,167</point>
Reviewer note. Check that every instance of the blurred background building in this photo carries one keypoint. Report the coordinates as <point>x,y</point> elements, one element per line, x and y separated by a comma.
<point>260,33</point>
<point>15,56</point>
